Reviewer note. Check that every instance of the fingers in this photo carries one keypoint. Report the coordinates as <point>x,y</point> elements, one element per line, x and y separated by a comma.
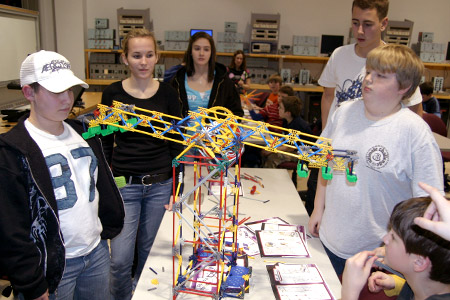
<point>380,251</point>
<point>372,282</point>
<point>365,259</point>
<point>437,216</point>
<point>439,202</point>
<point>380,281</point>
<point>356,272</point>
<point>314,231</point>
<point>169,206</point>
<point>313,227</point>
<point>433,226</point>
<point>362,260</point>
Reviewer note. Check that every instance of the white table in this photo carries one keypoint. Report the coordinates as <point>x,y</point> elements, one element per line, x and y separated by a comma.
<point>284,203</point>
<point>442,141</point>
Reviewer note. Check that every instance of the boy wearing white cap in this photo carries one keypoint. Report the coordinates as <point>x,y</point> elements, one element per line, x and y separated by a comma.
<point>59,200</point>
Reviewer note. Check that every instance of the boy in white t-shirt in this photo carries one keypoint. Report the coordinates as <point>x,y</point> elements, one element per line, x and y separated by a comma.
<point>395,148</point>
<point>59,200</point>
<point>344,72</point>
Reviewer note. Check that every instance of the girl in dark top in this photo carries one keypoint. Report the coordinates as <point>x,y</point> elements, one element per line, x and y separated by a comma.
<point>238,72</point>
<point>145,162</point>
<point>203,82</point>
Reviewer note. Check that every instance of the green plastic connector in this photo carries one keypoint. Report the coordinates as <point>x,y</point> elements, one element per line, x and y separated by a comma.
<point>92,131</point>
<point>351,177</point>
<point>120,181</point>
<point>131,121</point>
<point>302,170</point>
<point>86,135</point>
<point>106,131</point>
<point>326,173</point>
<point>110,129</point>
<point>114,128</point>
<point>95,130</point>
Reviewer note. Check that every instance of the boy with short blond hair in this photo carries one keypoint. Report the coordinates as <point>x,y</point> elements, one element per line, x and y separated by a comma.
<point>390,141</point>
<point>420,255</point>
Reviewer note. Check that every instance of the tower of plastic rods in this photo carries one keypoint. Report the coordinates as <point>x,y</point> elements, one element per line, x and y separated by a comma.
<point>207,259</point>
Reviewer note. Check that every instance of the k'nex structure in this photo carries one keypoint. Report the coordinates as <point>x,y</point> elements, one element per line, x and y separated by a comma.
<point>207,258</point>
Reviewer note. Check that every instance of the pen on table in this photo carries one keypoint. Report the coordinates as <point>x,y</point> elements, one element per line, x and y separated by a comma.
<point>263,201</point>
<point>151,289</point>
<point>153,270</point>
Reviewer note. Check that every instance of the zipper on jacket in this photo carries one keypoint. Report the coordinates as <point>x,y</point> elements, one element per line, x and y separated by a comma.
<point>217,92</point>
<point>110,172</point>
<point>54,214</point>
<point>179,97</point>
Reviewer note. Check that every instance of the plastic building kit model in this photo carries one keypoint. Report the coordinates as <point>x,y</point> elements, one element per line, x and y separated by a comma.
<point>218,131</point>
<point>216,267</point>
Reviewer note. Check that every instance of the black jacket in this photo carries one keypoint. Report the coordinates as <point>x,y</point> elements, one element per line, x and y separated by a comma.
<point>32,252</point>
<point>223,92</point>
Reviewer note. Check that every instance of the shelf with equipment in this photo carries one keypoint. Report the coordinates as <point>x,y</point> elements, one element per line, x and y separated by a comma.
<point>281,59</point>
<point>94,80</point>
<point>111,69</point>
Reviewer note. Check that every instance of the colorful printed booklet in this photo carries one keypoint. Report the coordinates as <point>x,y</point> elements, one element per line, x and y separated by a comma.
<point>298,281</point>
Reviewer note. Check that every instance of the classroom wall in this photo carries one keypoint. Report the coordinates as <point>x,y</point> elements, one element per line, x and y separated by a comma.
<point>47,28</point>
<point>298,17</point>
<point>70,19</point>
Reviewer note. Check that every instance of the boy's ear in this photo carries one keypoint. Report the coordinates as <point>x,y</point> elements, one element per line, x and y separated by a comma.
<point>421,263</point>
<point>403,91</point>
<point>384,23</point>
<point>28,92</point>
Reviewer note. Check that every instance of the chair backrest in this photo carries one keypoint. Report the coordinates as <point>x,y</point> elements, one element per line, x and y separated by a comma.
<point>436,124</point>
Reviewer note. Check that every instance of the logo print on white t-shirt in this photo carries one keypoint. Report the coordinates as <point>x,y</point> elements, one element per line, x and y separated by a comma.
<point>377,157</point>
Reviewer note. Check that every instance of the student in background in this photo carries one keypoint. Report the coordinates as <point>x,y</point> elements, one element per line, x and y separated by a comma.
<point>429,103</point>
<point>252,156</point>
<point>59,201</point>
<point>238,72</point>
<point>203,82</point>
<point>343,75</point>
<point>390,141</point>
<point>286,91</point>
<point>269,113</point>
<point>143,163</point>
<point>420,255</point>
<point>290,108</point>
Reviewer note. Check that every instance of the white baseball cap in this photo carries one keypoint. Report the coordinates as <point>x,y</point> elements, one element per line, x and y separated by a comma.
<point>49,69</point>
